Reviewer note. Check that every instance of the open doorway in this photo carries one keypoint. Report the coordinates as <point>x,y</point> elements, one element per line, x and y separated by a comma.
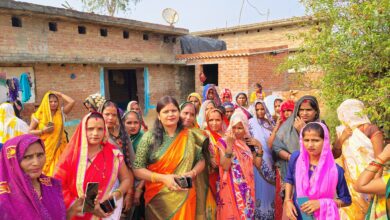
<point>211,72</point>
<point>122,86</point>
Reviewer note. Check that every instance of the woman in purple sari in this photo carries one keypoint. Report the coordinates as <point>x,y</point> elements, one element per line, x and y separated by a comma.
<point>25,193</point>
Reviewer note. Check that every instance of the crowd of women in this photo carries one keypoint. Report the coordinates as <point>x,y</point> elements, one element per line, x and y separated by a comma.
<point>213,156</point>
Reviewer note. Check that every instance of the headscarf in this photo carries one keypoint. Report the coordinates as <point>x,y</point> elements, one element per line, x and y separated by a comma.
<point>18,199</point>
<point>135,138</point>
<point>237,117</point>
<point>183,105</point>
<point>323,182</point>
<point>10,125</point>
<point>126,148</point>
<point>43,113</point>
<point>95,100</point>
<point>223,120</point>
<point>268,122</point>
<point>237,95</point>
<point>206,90</point>
<point>351,113</point>
<point>25,87</point>
<point>270,103</point>
<point>287,105</point>
<point>196,95</point>
<point>202,113</point>
<point>129,106</point>
<point>287,137</point>
<point>228,105</point>
<point>226,92</point>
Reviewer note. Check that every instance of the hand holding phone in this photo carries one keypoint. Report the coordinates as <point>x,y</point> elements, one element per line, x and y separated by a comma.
<point>108,205</point>
<point>304,215</point>
<point>90,196</point>
<point>184,182</point>
<point>248,142</point>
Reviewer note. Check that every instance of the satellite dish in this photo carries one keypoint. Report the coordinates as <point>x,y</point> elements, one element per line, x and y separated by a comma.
<point>170,16</point>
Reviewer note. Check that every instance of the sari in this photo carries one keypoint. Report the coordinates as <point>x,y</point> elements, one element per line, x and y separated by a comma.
<point>10,125</point>
<point>357,153</point>
<point>76,172</point>
<point>381,210</point>
<point>226,93</point>
<point>196,95</point>
<point>206,89</point>
<point>94,101</point>
<point>55,142</point>
<point>236,187</point>
<point>18,199</point>
<point>176,155</point>
<point>201,119</point>
<point>270,103</point>
<point>261,130</point>
<point>287,105</point>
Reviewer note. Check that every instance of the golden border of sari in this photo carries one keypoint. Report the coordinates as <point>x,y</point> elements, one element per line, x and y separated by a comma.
<point>82,166</point>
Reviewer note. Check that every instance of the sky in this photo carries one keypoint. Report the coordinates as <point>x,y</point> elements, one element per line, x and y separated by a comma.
<point>198,15</point>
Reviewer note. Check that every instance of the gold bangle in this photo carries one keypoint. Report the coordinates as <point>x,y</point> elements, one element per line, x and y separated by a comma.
<point>371,170</point>
<point>153,177</point>
<point>120,193</point>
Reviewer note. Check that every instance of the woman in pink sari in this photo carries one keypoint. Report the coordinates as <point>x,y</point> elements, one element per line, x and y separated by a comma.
<point>236,187</point>
<point>320,186</point>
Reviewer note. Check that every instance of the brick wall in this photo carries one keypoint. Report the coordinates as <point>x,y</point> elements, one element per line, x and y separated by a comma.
<point>34,42</point>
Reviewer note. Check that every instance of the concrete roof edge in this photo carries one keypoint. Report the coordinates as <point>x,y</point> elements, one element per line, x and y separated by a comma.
<point>254,26</point>
<point>91,17</point>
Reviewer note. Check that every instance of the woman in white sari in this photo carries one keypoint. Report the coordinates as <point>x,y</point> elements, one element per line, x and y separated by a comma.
<point>358,143</point>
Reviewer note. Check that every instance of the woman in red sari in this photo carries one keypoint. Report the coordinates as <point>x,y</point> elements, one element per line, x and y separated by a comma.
<point>88,158</point>
<point>166,152</point>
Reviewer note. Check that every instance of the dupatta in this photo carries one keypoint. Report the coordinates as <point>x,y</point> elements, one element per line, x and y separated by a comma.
<point>55,142</point>
<point>323,182</point>
<point>74,172</point>
<point>10,125</point>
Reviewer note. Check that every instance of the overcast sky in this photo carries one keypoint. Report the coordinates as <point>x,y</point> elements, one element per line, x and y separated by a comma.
<point>197,15</point>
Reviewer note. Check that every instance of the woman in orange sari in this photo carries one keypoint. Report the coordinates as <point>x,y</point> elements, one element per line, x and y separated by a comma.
<point>166,152</point>
<point>236,187</point>
<point>88,158</point>
<point>209,177</point>
<point>48,123</point>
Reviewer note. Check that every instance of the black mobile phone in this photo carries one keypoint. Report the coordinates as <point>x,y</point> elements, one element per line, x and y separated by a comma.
<point>108,205</point>
<point>251,147</point>
<point>184,182</point>
<point>90,196</point>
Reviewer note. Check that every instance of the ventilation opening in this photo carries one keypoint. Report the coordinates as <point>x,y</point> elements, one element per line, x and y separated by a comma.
<point>166,39</point>
<point>211,72</point>
<point>16,22</point>
<point>53,26</point>
<point>125,34</point>
<point>146,37</point>
<point>82,30</point>
<point>103,32</point>
<point>174,40</point>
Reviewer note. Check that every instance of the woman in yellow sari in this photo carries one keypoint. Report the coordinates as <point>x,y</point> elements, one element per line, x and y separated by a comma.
<point>48,123</point>
<point>358,143</point>
<point>165,153</point>
<point>10,125</point>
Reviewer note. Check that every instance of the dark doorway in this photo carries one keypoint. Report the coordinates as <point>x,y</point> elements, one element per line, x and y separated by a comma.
<point>211,72</point>
<point>122,85</point>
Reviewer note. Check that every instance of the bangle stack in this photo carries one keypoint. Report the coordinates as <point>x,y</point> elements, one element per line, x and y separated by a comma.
<point>153,177</point>
<point>118,191</point>
<point>259,154</point>
<point>229,155</point>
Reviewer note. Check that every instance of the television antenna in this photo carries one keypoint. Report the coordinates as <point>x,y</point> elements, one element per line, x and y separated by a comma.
<point>170,16</point>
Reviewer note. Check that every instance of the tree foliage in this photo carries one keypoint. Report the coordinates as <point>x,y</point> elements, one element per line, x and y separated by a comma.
<point>350,43</point>
<point>109,7</point>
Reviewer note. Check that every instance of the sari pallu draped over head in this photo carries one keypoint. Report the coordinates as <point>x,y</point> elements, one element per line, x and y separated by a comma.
<point>323,182</point>
<point>206,90</point>
<point>75,174</point>
<point>236,189</point>
<point>55,142</point>
<point>287,137</point>
<point>18,200</point>
<point>10,125</point>
<point>357,153</point>
<point>129,106</point>
<point>177,158</point>
<point>226,93</point>
<point>95,101</point>
<point>135,138</point>
<point>201,119</point>
<point>287,105</point>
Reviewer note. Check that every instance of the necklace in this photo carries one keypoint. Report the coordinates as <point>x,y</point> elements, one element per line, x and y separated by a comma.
<point>97,168</point>
<point>38,192</point>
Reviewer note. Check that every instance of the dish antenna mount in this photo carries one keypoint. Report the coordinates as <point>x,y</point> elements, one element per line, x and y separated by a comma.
<point>170,16</point>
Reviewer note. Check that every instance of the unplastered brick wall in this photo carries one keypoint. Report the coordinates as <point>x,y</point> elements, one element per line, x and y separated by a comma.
<point>162,82</point>
<point>58,77</point>
<point>34,41</point>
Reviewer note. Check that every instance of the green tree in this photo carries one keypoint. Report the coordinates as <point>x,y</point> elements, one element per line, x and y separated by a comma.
<point>349,42</point>
<point>109,7</point>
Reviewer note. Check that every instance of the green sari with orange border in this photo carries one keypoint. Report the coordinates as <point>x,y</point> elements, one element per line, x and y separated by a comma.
<point>176,155</point>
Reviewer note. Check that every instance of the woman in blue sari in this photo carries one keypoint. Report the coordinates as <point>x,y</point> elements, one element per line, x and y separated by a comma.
<point>260,127</point>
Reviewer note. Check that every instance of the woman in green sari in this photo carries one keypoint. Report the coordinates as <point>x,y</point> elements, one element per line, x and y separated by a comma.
<point>165,153</point>
<point>380,186</point>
